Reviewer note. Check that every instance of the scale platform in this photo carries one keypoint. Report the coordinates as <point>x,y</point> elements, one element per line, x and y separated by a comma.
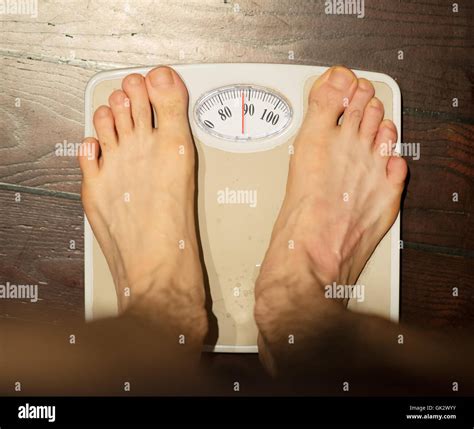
<point>244,118</point>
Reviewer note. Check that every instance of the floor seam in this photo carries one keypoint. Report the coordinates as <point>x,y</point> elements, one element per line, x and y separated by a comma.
<point>432,248</point>
<point>40,191</point>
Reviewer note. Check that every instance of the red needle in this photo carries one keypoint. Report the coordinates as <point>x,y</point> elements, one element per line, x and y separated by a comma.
<point>243,115</point>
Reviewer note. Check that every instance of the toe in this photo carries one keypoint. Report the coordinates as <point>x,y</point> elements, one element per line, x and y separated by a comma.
<point>386,132</point>
<point>373,115</point>
<point>105,128</point>
<point>169,97</point>
<point>120,105</point>
<point>330,95</point>
<point>89,157</point>
<point>388,159</point>
<point>354,112</point>
<point>385,139</point>
<point>135,88</point>
<point>397,170</point>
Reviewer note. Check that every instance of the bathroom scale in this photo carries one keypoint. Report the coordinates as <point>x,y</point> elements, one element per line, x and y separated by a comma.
<point>244,119</point>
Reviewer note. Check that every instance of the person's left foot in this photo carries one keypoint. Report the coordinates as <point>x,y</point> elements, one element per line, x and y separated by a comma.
<point>138,194</point>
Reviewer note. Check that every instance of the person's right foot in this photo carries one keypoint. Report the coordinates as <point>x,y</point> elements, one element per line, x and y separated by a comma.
<point>343,194</point>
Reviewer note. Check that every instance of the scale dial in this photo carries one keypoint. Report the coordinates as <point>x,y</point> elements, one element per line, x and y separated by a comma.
<point>243,113</point>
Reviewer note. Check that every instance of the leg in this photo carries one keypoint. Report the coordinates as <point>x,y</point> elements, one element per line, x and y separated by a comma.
<point>343,194</point>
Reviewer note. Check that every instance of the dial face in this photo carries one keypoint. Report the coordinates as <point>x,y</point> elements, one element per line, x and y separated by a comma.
<point>243,113</point>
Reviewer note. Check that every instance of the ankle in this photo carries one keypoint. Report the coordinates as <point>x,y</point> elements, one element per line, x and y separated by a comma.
<point>295,321</point>
<point>178,311</point>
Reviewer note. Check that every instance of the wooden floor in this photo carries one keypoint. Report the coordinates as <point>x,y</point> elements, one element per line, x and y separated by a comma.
<point>46,62</point>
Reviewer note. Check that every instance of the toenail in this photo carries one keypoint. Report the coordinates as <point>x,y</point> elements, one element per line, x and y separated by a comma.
<point>340,77</point>
<point>388,125</point>
<point>102,112</point>
<point>364,85</point>
<point>161,76</point>
<point>117,97</point>
<point>374,103</point>
<point>134,79</point>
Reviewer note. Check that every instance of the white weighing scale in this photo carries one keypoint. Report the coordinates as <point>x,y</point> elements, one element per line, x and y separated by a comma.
<point>243,118</point>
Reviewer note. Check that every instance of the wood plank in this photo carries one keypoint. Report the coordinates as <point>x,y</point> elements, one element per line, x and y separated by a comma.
<point>35,235</point>
<point>435,41</point>
<point>428,280</point>
<point>431,213</point>
<point>50,111</point>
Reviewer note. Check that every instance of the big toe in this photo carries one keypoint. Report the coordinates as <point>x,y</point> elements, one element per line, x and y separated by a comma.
<point>330,95</point>
<point>169,97</point>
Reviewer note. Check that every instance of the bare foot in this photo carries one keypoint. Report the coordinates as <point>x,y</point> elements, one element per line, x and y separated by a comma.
<point>342,196</point>
<point>138,195</point>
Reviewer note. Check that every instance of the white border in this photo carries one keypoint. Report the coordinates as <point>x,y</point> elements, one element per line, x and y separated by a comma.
<point>305,72</point>
<point>88,235</point>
